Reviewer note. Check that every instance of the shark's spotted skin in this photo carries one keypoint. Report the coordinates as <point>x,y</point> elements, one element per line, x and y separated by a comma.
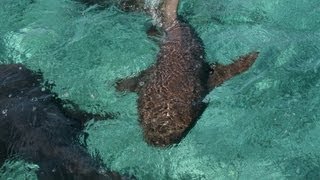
<point>171,91</point>
<point>171,98</point>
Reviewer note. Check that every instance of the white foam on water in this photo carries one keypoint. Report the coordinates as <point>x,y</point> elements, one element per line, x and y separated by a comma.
<point>153,7</point>
<point>15,49</point>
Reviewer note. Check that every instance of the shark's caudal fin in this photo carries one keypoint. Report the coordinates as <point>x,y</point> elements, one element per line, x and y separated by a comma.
<point>163,12</point>
<point>221,73</point>
<point>169,12</point>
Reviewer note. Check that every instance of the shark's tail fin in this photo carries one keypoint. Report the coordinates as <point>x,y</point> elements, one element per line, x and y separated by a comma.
<point>169,12</point>
<point>163,12</point>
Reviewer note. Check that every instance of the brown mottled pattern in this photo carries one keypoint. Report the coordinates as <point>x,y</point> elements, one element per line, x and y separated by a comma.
<point>171,100</point>
<point>172,90</point>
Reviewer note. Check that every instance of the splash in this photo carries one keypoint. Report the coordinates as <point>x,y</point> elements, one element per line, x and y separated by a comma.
<point>153,7</point>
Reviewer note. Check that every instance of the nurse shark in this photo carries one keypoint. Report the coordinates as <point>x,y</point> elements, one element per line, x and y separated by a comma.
<point>171,91</point>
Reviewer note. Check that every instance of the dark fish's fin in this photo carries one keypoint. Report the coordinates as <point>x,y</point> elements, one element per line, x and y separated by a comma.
<point>124,5</point>
<point>74,163</point>
<point>133,84</point>
<point>3,153</point>
<point>220,73</point>
<point>132,5</point>
<point>73,111</point>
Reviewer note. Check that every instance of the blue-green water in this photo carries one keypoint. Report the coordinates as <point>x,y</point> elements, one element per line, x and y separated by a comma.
<point>263,124</point>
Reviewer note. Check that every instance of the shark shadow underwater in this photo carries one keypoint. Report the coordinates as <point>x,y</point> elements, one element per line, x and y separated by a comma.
<point>37,127</point>
<point>171,91</point>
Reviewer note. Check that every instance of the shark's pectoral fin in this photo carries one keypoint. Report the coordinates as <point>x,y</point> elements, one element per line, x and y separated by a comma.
<point>133,84</point>
<point>127,84</point>
<point>154,31</point>
<point>220,73</point>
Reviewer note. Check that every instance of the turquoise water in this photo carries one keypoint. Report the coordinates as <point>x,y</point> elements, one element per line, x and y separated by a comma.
<point>263,124</point>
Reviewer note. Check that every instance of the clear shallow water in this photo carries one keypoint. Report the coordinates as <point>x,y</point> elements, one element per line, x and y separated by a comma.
<point>263,124</point>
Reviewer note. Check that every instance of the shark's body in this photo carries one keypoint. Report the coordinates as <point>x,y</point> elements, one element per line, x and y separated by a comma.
<point>171,98</point>
<point>171,91</point>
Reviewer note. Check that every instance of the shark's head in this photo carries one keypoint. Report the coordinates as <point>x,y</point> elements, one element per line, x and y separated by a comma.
<point>167,123</point>
<point>164,131</point>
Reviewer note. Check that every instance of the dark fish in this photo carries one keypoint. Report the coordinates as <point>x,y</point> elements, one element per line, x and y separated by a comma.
<point>36,127</point>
